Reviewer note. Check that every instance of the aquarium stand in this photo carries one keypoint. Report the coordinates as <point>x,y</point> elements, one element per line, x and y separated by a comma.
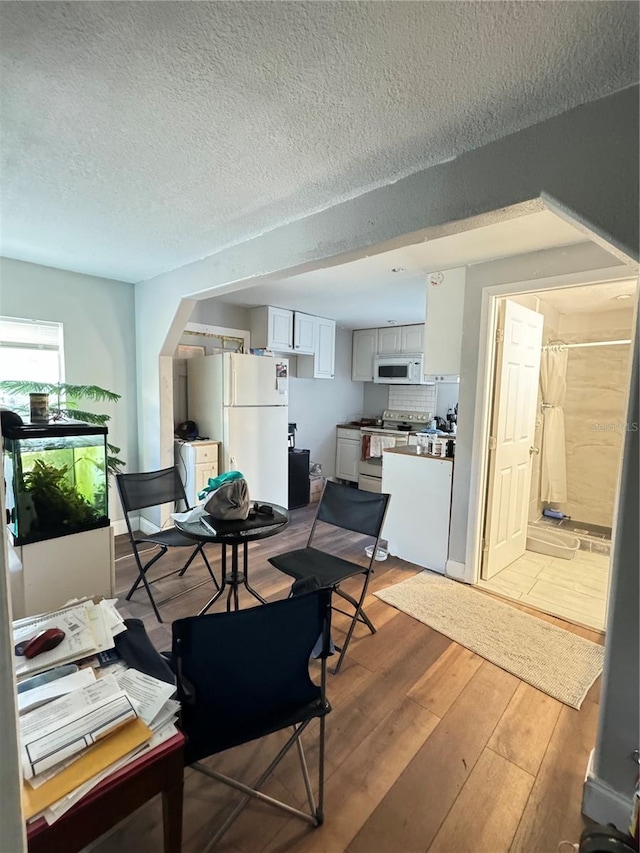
<point>45,575</point>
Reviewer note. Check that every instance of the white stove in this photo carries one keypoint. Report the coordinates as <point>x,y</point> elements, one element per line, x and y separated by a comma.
<point>396,426</point>
<point>406,421</point>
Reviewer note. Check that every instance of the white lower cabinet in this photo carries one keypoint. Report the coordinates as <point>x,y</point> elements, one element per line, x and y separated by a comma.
<point>197,463</point>
<point>347,454</point>
<point>417,521</point>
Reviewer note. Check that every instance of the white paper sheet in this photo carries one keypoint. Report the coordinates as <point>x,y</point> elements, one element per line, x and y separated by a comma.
<point>54,733</point>
<point>31,699</point>
<point>149,693</point>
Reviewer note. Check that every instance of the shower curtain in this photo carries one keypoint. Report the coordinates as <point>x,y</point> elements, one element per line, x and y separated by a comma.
<point>553,386</point>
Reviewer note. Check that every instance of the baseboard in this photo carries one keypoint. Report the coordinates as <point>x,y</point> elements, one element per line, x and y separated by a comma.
<point>455,570</point>
<point>601,803</point>
<point>120,526</point>
<point>146,527</point>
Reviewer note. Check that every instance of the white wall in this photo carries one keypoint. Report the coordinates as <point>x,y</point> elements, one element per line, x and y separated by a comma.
<point>317,405</point>
<point>99,340</point>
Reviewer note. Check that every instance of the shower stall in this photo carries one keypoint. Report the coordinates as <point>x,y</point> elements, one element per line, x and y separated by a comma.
<point>582,408</point>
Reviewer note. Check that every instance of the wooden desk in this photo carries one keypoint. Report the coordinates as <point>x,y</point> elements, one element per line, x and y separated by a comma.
<point>160,771</point>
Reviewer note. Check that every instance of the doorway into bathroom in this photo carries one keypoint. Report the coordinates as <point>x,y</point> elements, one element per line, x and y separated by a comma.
<point>559,403</point>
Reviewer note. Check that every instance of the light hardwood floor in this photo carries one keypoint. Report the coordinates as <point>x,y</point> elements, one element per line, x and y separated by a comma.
<point>575,589</point>
<point>429,747</point>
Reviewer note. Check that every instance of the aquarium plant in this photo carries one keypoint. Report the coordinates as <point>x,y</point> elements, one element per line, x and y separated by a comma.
<point>64,404</point>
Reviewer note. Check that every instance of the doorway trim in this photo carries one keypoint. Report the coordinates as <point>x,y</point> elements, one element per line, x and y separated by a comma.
<point>484,385</point>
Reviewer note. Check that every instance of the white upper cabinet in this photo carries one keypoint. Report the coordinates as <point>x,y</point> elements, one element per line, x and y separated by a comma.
<point>304,332</point>
<point>412,339</point>
<point>443,324</point>
<point>365,347</point>
<point>390,340</point>
<point>320,365</point>
<point>272,328</point>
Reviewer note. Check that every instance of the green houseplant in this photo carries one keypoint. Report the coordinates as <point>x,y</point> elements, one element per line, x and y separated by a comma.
<point>63,403</point>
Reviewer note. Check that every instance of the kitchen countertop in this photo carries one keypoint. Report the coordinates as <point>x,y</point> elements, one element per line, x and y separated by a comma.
<point>349,426</point>
<point>412,450</point>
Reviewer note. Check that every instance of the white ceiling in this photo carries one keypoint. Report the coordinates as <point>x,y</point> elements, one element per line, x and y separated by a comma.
<point>365,293</point>
<point>137,137</point>
<point>591,297</point>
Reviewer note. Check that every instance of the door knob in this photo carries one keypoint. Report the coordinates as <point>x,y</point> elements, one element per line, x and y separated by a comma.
<point>533,450</point>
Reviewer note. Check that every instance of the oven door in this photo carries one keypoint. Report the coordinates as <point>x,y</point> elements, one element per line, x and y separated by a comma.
<point>370,484</point>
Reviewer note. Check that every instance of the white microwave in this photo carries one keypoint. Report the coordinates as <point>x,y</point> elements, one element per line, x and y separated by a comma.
<point>398,370</point>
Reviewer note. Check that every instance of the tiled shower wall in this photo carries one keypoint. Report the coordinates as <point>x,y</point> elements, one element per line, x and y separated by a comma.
<point>595,412</point>
<point>413,398</point>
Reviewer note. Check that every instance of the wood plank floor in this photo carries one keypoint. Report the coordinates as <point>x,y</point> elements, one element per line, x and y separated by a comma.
<point>429,747</point>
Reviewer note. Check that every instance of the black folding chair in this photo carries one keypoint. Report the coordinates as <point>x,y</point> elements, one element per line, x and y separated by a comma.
<point>244,675</point>
<point>350,509</point>
<point>154,488</point>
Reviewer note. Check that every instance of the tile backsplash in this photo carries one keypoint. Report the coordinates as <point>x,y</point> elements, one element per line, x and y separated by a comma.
<point>413,398</point>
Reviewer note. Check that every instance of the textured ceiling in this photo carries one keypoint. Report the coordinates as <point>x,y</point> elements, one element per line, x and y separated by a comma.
<point>366,293</point>
<point>139,136</point>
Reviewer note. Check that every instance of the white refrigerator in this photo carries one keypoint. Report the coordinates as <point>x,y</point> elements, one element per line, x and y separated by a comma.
<point>242,401</point>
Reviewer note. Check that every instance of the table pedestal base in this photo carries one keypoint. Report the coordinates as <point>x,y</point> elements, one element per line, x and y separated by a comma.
<point>236,579</point>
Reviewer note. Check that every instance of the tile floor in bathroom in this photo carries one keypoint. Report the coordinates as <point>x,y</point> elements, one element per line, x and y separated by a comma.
<point>571,589</point>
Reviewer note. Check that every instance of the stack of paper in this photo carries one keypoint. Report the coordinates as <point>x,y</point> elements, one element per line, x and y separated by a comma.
<point>88,627</point>
<point>76,728</point>
<point>72,743</point>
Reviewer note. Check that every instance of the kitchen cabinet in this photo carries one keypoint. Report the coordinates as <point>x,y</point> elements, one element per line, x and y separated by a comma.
<point>197,462</point>
<point>401,340</point>
<point>390,340</point>
<point>417,521</point>
<point>443,324</point>
<point>272,328</point>
<point>304,333</point>
<point>320,365</point>
<point>364,350</point>
<point>412,339</point>
<point>347,454</point>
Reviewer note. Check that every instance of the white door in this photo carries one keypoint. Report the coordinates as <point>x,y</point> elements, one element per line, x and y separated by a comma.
<point>326,353</point>
<point>256,444</point>
<point>365,347</point>
<point>280,333</point>
<point>412,339</point>
<point>253,380</point>
<point>513,426</point>
<point>389,341</point>
<point>347,459</point>
<point>304,327</point>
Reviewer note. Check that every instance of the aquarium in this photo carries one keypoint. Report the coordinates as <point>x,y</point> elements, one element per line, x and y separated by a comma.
<point>55,479</point>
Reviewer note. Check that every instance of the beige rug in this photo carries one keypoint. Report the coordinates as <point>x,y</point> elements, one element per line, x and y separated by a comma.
<point>552,660</point>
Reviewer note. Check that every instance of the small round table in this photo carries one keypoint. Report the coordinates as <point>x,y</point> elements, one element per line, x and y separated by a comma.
<point>195,530</point>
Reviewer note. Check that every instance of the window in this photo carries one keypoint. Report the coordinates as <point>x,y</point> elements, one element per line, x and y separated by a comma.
<point>30,350</point>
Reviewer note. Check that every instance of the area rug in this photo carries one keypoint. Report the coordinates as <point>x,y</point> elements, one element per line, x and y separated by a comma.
<point>551,659</point>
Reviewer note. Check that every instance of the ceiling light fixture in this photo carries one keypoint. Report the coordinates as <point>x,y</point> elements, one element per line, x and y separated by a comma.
<point>623,296</point>
<point>397,269</point>
<point>392,322</point>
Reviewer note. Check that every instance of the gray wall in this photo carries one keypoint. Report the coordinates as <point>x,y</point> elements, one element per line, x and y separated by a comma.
<point>375,400</point>
<point>99,339</point>
<point>213,312</point>
<point>317,405</point>
<point>619,726</point>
